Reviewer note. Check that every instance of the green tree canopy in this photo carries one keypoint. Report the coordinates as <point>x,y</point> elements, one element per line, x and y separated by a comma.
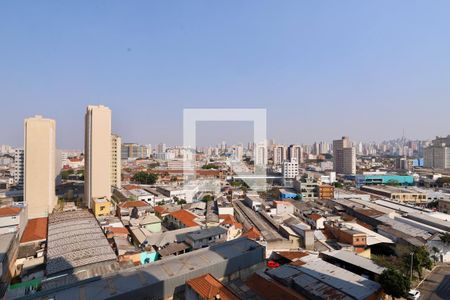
<point>445,238</point>
<point>394,283</point>
<point>145,178</point>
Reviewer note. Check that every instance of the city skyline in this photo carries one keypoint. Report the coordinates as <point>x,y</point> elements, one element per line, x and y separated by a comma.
<point>368,71</point>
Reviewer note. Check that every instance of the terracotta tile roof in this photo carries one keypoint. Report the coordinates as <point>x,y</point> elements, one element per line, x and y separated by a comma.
<point>315,217</point>
<point>230,220</point>
<point>117,230</point>
<point>252,233</point>
<point>185,217</point>
<point>36,230</point>
<point>9,211</point>
<point>159,209</point>
<point>130,204</point>
<point>208,287</point>
<point>130,187</point>
<point>270,289</point>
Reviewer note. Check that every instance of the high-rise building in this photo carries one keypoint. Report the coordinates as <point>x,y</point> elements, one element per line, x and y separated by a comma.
<point>39,192</point>
<point>290,169</point>
<point>295,152</point>
<point>437,155</point>
<point>344,154</point>
<point>18,167</point>
<point>97,161</point>
<point>161,148</point>
<point>260,155</point>
<point>116,162</point>
<point>133,150</point>
<point>279,154</point>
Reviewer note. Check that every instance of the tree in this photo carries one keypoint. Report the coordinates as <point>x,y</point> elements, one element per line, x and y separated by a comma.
<point>338,185</point>
<point>145,178</point>
<point>394,283</point>
<point>421,259</point>
<point>445,238</point>
<point>207,198</point>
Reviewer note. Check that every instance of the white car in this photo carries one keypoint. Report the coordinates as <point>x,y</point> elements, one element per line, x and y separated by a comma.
<point>413,294</point>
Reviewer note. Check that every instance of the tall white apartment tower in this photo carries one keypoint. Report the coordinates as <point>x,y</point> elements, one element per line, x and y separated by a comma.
<point>260,155</point>
<point>39,157</point>
<point>295,152</point>
<point>279,154</point>
<point>344,154</point>
<point>19,167</point>
<point>98,154</point>
<point>116,163</point>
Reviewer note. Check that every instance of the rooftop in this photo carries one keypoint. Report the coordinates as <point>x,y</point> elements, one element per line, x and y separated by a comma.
<point>130,204</point>
<point>185,217</point>
<point>373,238</point>
<point>326,275</point>
<point>356,260</point>
<point>9,211</point>
<point>208,287</point>
<point>146,281</point>
<point>205,233</point>
<point>75,239</point>
<point>36,230</point>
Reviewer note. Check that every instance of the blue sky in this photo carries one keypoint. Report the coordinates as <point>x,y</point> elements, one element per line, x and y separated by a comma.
<point>368,69</point>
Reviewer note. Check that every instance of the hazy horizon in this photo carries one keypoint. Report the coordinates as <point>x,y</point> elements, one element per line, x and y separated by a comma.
<point>369,70</point>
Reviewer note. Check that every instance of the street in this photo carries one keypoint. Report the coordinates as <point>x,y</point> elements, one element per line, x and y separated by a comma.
<point>437,285</point>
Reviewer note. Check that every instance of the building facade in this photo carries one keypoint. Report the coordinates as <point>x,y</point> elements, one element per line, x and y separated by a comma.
<point>97,154</point>
<point>39,192</point>
<point>344,154</point>
<point>116,163</point>
<point>437,155</point>
<point>295,152</point>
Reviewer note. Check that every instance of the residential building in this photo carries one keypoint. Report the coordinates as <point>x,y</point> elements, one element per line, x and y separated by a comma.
<point>19,160</point>
<point>101,207</point>
<point>39,175</point>
<point>260,155</point>
<point>206,237</point>
<point>344,155</point>
<point>308,188</point>
<point>98,156</point>
<point>326,192</point>
<point>437,155</point>
<point>116,163</point>
<point>133,151</point>
<point>12,219</point>
<point>290,169</point>
<point>279,154</point>
<point>295,152</point>
<point>207,287</point>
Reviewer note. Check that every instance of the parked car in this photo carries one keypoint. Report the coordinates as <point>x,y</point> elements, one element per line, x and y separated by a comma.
<point>413,294</point>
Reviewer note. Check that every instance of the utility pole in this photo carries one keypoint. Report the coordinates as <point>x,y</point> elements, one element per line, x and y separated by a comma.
<point>412,259</point>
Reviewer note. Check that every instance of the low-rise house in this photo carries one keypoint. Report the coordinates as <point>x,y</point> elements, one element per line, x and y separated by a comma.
<point>125,209</point>
<point>316,220</point>
<point>12,219</point>
<point>182,219</point>
<point>206,237</point>
<point>101,207</point>
<point>207,287</point>
<point>233,227</point>
<point>150,222</point>
<point>112,232</point>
